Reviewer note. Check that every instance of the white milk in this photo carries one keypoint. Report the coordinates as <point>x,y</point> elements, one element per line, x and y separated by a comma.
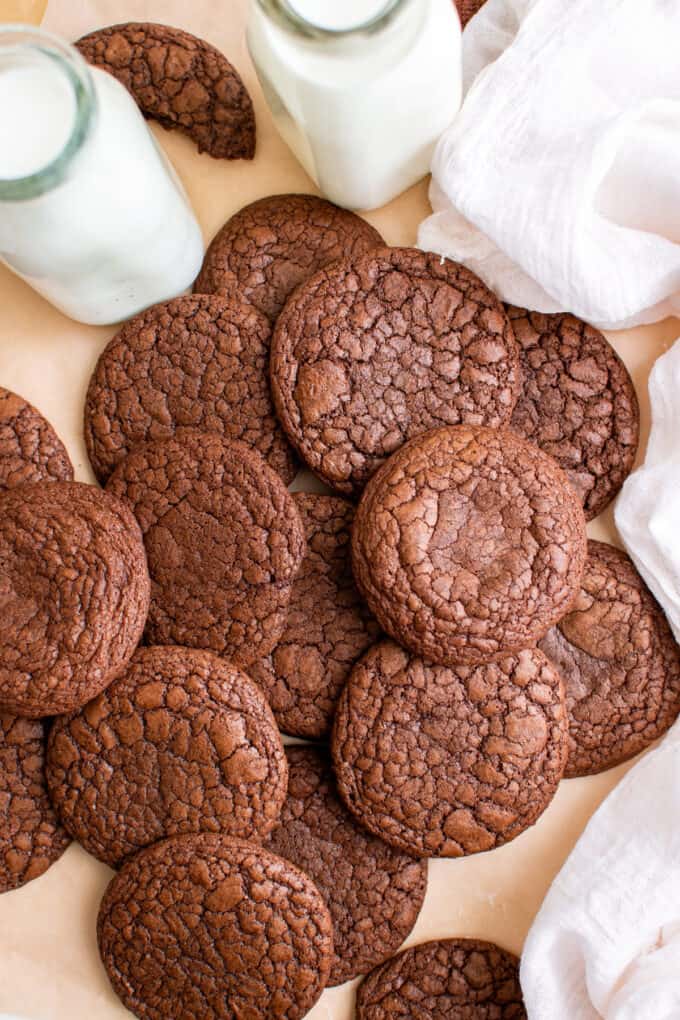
<point>116,234</point>
<point>362,111</point>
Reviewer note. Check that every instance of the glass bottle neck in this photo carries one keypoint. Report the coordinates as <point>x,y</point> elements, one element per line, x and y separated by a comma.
<point>333,20</point>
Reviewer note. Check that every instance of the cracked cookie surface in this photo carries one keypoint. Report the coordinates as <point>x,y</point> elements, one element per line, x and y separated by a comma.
<point>224,541</point>
<point>578,403</point>
<point>373,891</point>
<point>210,927</point>
<point>468,543</point>
<point>182,742</point>
<point>271,246</point>
<point>30,449</point>
<point>451,979</point>
<point>179,80</point>
<point>74,594</point>
<point>444,761</point>
<point>619,662</point>
<point>328,625</point>
<point>373,351</point>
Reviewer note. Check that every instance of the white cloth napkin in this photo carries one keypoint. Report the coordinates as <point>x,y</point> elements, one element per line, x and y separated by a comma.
<point>559,181</point>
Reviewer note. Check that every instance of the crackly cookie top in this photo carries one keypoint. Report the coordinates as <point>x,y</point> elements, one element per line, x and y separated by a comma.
<point>373,891</point>
<point>445,761</point>
<point>273,245</point>
<point>74,594</point>
<point>328,625</point>
<point>619,661</point>
<point>210,927</point>
<point>452,979</point>
<point>468,8</point>
<point>30,449</point>
<point>179,80</point>
<point>373,351</point>
<point>224,542</point>
<point>469,543</point>
<point>577,403</point>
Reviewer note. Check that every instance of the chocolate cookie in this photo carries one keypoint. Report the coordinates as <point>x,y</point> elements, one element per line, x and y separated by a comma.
<point>445,761</point>
<point>224,541</point>
<point>30,836</point>
<point>74,594</point>
<point>271,246</point>
<point>620,664</point>
<point>371,352</point>
<point>195,362</point>
<point>469,543</point>
<point>210,927</point>
<point>454,979</point>
<point>327,624</point>
<point>180,81</point>
<point>468,8</point>
<point>182,742</point>
<point>30,449</point>
<point>578,403</point>
<point>373,891</point>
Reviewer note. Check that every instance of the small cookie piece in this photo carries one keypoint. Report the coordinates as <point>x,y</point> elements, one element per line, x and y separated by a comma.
<point>468,8</point>
<point>30,449</point>
<point>179,80</point>
<point>374,892</point>
<point>468,544</point>
<point>452,979</point>
<point>578,403</point>
<point>182,742</point>
<point>210,927</point>
<point>620,664</point>
<point>194,362</point>
<point>31,838</point>
<point>328,625</point>
<point>224,541</point>
<point>373,351</point>
<point>74,594</point>
<point>445,761</point>
<point>273,245</point>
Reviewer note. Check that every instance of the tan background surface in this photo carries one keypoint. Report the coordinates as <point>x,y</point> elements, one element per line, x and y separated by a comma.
<point>49,969</point>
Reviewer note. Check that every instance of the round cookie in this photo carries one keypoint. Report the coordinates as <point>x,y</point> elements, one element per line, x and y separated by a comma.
<point>444,761</point>
<point>578,403</point>
<point>373,351</point>
<point>271,246</point>
<point>194,362</point>
<point>468,8</point>
<point>224,541</point>
<point>620,664</point>
<point>374,892</point>
<point>468,544</point>
<point>210,927</point>
<point>452,979</point>
<point>328,625</point>
<point>182,742</point>
<point>179,80</point>
<point>30,449</point>
<point>31,838</point>
<point>74,594</point>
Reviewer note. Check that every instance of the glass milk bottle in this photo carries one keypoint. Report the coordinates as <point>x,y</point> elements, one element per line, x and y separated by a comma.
<point>360,90</point>
<point>91,213</point>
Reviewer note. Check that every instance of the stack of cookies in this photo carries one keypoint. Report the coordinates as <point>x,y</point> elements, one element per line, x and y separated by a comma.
<point>436,626</point>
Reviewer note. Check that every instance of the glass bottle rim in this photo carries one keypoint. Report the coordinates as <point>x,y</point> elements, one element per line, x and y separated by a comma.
<point>286,16</point>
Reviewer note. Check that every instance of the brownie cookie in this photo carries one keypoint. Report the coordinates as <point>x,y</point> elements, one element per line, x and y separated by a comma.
<point>373,351</point>
<point>271,246</point>
<point>578,403</point>
<point>620,664</point>
<point>469,543</point>
<point>195,362</point>
<point>224,541</point>
<point>468,8</point>
<point>210,927</point>
<point>30,449</point>
<point>180,81</point>
<point>30,836</point>
<point>445,761</point>
<point>74,594</point>
<point>373,891</point>
<point>453,979</point>
<point>328,626</point>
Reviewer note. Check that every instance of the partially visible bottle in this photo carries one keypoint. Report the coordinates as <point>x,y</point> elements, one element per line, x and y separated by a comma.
<point>361,90</point>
